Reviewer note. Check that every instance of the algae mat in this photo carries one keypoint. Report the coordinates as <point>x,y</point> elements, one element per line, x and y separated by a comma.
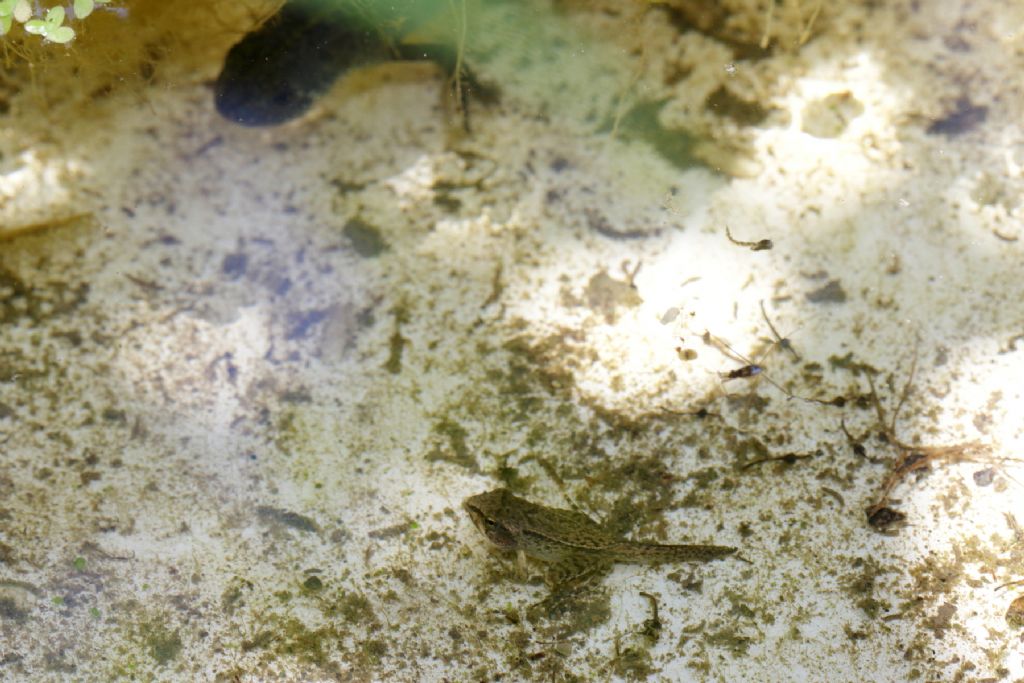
<point>248,376</point>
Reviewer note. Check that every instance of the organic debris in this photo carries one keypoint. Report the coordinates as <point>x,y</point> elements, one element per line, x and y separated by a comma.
<point>911,458</point>
<point>759,245</point>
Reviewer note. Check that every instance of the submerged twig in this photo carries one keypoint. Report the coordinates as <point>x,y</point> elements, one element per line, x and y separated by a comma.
<point>911,457</point>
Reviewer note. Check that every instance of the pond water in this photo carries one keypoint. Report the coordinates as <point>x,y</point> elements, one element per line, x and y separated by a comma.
<point>394,341</point>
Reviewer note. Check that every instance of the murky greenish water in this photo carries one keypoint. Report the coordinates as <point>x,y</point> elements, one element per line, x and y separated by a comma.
<point>511,340</point>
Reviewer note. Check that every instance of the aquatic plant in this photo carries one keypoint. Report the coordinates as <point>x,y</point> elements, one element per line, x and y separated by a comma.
<point>51,25</point>
<point>13,10</point>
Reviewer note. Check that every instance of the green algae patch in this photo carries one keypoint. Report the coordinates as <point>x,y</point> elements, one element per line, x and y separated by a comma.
<point>35,297</point>
<point>397,343</point>
<point>396,346</point>
<point>233,596</point>
<point>573,611</point>
<point>606,295</point>
<point>365,239</point>
<point>455,450</point>
<point>632,663</point>
<point>287,432</point>
<point>349,620</point>
<point>161,642</point>
<point>353,607</point>
<point>633,660</point>
<point>730,640</point>
<point>861,586</point>
<point>272,516</point>
<point>11,611</point>
<point>374,650</point>
<point>748,607</point>
<point>642,122</point>
<point>293,638</point>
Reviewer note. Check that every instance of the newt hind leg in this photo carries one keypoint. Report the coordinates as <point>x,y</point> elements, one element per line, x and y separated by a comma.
<point>575,571</point>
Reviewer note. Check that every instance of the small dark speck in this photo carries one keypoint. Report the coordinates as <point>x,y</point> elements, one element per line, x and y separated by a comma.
<point>234,265</point>
<point>884,517</point>
<point>559,164</point>
<point>963,119</point>
<point>448,203</point>
<point>114,415</point>
<point>984,477</point>
<point>12,611</point>
<point>297,396</point>
<point>74,337</point>
<point>391,531</point>
<point>344,187</point>
<point>365,317</point>
<point>724,103</point>
<point>10,658</point>
<point>101,92</point>
<point>600,224</point>
<point>272,515</point>
<point>300,323</point>
<point>956,44</point>
<point>365,238</point>
<point>831,293</point>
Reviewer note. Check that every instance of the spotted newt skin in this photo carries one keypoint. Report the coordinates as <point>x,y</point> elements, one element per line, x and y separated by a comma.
<point>575,547</point>
<point>276,72</point>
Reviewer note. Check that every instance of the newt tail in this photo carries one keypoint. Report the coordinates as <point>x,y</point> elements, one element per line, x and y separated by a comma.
<point>657,553</point>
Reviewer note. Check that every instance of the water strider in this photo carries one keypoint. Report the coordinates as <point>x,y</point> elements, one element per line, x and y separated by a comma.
<point>575,547</point>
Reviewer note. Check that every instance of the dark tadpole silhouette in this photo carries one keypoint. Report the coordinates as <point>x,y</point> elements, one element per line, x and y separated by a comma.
<point>276,72</point>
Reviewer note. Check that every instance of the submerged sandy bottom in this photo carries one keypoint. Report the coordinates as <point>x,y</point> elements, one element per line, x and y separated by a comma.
<point>247,376</point>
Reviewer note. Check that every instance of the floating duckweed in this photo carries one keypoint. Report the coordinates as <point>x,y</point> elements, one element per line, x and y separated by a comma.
<point>84,8</point>
<point>51,26</point>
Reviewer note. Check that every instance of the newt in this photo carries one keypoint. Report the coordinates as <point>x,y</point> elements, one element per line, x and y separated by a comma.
<point>575,547</point>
